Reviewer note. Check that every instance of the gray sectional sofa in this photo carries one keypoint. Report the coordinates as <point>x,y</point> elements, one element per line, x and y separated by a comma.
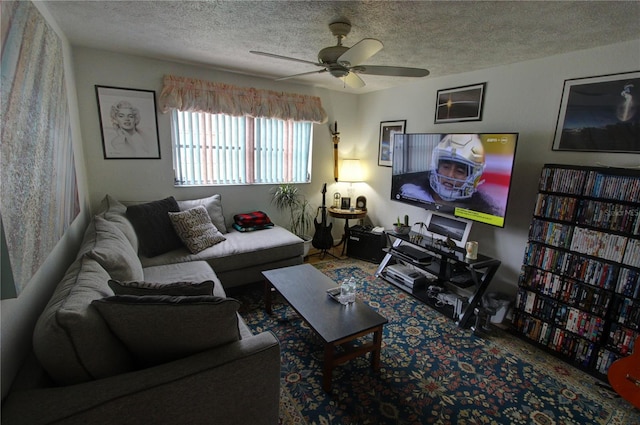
<point>102,356</point>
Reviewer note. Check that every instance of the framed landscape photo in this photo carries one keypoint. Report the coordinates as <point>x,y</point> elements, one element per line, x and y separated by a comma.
<point>128,123</point>
<point>388,130</point>
<point>460,104</point>
<point>599,114</point>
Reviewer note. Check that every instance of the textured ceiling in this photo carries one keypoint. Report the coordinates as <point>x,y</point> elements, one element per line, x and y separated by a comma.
<point>445,37</point>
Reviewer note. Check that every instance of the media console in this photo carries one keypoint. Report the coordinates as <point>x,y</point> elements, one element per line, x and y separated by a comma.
<point>437,275</point>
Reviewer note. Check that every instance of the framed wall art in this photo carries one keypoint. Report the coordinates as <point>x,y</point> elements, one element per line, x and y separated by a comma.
<point>128,123</point>
<point>388,129</point>
<point>460,104</point>
<point>599,114</point>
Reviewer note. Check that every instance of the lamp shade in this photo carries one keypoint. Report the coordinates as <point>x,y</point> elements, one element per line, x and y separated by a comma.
<point>351,171</point>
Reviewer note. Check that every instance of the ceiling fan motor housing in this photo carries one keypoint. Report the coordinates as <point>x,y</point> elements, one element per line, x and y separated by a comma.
<point>331,54</point>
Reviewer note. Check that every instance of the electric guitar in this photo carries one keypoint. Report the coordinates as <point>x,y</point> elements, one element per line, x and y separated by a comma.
<point>322,239</point>
<point>624,376</point>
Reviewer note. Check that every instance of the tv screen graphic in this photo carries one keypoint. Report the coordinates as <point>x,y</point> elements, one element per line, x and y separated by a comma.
<point>467,175</point>
<point>446,226</point>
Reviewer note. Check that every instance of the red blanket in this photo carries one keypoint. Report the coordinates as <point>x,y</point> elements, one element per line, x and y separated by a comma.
<point>256,218</point>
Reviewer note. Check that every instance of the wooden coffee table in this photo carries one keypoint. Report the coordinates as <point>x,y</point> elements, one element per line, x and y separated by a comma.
<point>305,288</point>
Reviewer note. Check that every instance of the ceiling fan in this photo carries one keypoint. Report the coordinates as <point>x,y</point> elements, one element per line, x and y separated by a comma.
<point>346,62</point>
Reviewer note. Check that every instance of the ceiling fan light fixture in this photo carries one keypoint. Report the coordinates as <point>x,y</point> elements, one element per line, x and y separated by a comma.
<point>338,71</point>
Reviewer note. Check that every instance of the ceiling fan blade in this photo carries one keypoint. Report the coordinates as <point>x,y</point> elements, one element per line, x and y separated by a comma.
<point>353,81</point>
<point>394,71</point>
<point>271,55</point>
<point>360,52</point>
<point>299,75</point>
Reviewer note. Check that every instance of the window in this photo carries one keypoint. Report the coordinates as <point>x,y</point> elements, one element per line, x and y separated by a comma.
<point>220,149</point>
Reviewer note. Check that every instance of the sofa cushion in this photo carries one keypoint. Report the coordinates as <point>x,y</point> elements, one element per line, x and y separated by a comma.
<point>114,252</point>
<point>195,229</point>
<point>149,288</point>
<point>213,204</point>
<point>192,271</point>
<point>71,340</point>
<point>239,251</point>
<point>153,226</point>
<point>157,329</point>
<point>116,212</point>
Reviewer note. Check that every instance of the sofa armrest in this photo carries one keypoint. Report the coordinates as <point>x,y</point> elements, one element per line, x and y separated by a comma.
<point>238,383</point>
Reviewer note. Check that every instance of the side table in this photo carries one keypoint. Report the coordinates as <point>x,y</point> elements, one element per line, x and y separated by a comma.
<point>346,215</point>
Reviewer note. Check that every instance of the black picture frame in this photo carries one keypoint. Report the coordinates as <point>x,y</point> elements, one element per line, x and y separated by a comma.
<point>597,114</point>
<point>385,144</point>
<point>126,139</point>
<point>464,103</point>
<point>345,203</point>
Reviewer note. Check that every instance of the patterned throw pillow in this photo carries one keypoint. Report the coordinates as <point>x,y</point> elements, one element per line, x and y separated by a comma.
<point>174,289</point>
<point>195,229</point>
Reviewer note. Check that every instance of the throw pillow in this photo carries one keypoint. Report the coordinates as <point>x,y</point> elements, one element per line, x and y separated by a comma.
<point>213,204</point>
<point>113,251</point>
<point>175,288</point>
<point>157,329</point>
<point>153,226</point>
<point>195,229</point>
<point>115,212</point>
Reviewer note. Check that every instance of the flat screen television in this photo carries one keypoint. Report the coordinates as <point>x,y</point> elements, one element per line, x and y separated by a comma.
<point>467,175</point>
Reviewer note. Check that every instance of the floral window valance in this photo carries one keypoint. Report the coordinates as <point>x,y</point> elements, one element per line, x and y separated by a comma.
<point>188,94</point>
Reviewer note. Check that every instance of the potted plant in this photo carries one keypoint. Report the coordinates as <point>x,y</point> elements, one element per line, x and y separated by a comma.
<point>402,228</point>
<point>286,197</point>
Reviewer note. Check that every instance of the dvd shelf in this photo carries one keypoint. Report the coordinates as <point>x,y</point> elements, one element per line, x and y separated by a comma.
<point>579,287</point>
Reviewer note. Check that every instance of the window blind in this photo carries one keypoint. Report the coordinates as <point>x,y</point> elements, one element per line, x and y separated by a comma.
<point>219,149</point>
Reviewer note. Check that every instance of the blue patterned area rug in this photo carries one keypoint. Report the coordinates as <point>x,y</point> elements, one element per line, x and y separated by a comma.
<point>432,372</point>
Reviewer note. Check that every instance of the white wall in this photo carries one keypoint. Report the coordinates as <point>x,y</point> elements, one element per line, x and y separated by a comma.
<point>146,180</point>
<point>20,314</point>
<point>522,97</point>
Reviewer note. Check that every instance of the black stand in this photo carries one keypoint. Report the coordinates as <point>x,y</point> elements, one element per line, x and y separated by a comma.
<point>443,266</point>
<point>324,252</point>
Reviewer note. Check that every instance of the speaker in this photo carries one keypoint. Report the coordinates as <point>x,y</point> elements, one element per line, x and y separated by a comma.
<point>365,245</point>
<point>361,203</point>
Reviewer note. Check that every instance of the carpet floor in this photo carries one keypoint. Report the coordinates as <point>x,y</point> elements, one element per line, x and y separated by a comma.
<point>432,372</point>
